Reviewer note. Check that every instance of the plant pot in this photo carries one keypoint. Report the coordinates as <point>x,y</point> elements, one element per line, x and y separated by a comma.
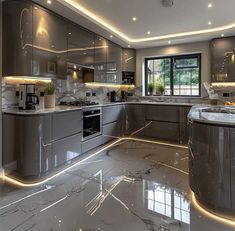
<point>151,93</point>
<point>161,93</point>
<point>49,101</point>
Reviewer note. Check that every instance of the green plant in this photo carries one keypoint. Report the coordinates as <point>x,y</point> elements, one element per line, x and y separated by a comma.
<point>150,87</point>
<point>160,88</point>
<point>50,89</point>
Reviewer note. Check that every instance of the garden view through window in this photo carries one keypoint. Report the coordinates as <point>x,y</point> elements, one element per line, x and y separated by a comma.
<point>175,75</point>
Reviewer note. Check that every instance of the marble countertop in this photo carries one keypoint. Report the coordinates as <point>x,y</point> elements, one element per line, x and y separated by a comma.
<point>57,109</point>
<point>219,115</point>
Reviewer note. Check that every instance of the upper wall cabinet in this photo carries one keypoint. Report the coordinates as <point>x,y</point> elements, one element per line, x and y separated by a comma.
<point>114,63</point>
<point>49,44</point>
<point>81,46</point>
<point>223,59</point>
<point>17,38</point>
<point>100,62</point>
<point>128,60</point>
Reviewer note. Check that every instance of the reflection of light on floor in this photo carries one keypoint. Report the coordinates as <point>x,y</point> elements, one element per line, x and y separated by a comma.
<point>167,201</point>
<point>16,182</point>
<point>215,216</point>
<point>103,195</point>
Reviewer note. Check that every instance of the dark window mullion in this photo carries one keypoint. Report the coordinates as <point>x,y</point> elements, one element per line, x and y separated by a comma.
<point>172,77</point>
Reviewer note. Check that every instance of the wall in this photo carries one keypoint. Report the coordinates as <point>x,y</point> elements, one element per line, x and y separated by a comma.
<point>202,47</point>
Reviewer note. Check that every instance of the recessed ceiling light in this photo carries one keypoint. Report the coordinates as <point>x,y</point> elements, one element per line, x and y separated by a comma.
<point>35,8</point>
<point>129,46</point>
<point>210,5</point>
<point>70,33</point>
<point>134,19</point>
<point>49,2</point>
<point>209,23</point>
<point>110,36</point>
<point>169,42</point>
<point>222,35</point>
<point>149,32</point>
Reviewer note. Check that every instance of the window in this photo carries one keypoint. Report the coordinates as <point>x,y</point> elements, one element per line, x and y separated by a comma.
<point>175,75</point>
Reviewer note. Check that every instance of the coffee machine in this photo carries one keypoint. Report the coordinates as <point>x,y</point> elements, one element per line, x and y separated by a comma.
<point>28,100</point>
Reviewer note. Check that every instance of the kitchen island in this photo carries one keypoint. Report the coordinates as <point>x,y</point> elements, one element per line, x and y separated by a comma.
<point>212,157</point>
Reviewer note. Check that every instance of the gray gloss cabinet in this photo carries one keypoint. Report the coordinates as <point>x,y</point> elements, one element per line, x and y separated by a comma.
<point>50,44</point>
<point>222,59</point>
<point>17,38</point>
<point>35,144</point>
<point>66,124</point>
<point>81,46</point>
<point>210,165</point>
<point>129,60</point>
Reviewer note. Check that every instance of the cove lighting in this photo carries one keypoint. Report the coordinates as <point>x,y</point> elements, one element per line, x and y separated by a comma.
<point>73,4</point>
<point>223,84</point>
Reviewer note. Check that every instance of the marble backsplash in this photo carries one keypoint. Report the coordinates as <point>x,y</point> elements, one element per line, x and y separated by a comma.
<point>99,94</point>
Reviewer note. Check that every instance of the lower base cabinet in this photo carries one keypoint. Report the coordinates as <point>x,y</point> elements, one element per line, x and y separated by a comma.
<point>92,143</point>
<point>111,131</point>
<point>66,149</point>
<point>162,130</point>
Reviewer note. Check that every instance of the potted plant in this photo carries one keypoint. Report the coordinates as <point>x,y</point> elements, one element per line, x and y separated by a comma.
<point>150,88</point>
<point>161,88</point>
<point>49,98</point>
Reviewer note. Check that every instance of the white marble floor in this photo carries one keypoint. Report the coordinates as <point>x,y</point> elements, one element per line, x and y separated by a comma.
<point>133,186</point>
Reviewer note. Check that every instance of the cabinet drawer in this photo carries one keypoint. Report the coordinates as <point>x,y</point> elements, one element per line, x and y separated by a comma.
<point>162,113</point>
<point>111,113</point>
<point>163,130</point>
<point>92,143</point>
<point>66,124</point>
<point>66,149</point>
<point>110,131</point>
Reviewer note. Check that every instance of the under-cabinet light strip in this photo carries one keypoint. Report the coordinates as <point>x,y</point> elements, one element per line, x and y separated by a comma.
<point>33,184</point>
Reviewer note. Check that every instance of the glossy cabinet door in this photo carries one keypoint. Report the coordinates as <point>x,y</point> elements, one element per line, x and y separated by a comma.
<point>100,62</point>
<point>128,60</point>
<point>114,63</point>
<point>49,44</point>
<point>81,46</point>
<point>223,59</point>
<point>17,38</point>
<point>210,165</point>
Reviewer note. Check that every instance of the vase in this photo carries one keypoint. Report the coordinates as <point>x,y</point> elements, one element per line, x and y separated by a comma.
<point>49,101</point>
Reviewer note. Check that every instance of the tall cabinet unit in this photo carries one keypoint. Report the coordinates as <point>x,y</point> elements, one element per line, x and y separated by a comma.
<point>49,44</point>
<point>17,38</point>
<point>223,59</point>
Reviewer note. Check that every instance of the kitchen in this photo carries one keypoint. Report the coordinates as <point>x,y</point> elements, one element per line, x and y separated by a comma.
<point>96,116</point>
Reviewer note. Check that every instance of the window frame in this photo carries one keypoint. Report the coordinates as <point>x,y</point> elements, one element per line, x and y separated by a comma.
<point>172,57</point>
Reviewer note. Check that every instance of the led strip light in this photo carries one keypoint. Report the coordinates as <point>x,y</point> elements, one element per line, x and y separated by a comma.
<point>215,216</point>
<point>16,182</point>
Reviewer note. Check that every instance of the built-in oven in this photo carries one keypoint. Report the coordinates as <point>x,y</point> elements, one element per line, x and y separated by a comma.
<point>92,123</point>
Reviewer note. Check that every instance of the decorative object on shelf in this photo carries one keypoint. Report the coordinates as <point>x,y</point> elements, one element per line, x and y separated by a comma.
<point>49,98</point>
<point>151,88</point>
<point>160,87</point>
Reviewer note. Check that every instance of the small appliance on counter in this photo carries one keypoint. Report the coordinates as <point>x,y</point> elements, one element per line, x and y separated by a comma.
<point>28,100</point>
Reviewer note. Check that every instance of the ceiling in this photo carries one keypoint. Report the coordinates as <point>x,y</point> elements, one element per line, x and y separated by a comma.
<point>185,21</point>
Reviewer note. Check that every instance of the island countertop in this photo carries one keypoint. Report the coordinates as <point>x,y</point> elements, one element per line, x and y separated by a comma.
<point>216,115</point>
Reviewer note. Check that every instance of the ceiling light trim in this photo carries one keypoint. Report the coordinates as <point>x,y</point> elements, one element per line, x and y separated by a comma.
<point>104,24</point>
